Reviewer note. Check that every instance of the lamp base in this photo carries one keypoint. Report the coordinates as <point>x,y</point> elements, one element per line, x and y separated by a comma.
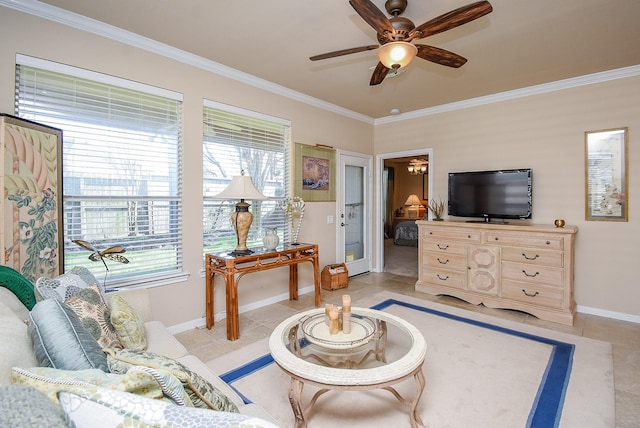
<point>236,253</point>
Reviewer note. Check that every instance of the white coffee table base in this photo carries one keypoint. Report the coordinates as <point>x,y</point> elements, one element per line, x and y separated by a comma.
<point>286,353</point>
<point>301,411</point>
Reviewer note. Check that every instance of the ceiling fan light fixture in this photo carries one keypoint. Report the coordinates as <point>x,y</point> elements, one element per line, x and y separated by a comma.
<point>396,54</point>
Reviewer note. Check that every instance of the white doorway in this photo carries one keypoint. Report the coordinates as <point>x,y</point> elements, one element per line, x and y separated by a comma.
<point>354,215</point>
<point>380,198</point>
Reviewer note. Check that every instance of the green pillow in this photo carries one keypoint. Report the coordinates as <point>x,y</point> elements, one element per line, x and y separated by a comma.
<point>129,328</point>
<point>60,341</point>
<point>201,392</point>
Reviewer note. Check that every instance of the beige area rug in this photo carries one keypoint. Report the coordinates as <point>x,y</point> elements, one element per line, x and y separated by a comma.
<point>480,371</point>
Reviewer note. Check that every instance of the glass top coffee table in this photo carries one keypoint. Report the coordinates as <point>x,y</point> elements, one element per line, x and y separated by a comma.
<point>382,350</point>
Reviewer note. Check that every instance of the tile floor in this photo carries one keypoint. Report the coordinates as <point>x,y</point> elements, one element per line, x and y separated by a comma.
<point>257,324</point>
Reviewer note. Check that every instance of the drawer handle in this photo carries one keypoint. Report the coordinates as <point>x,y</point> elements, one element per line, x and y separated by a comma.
<point>530,258</point>
<point>441,247</point>
<point>530,295</point>
<point>441,278</point>
<point>442,262</point>
<point>530,275</point>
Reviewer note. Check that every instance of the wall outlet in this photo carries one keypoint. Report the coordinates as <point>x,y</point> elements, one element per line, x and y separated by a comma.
<point>329,219</point>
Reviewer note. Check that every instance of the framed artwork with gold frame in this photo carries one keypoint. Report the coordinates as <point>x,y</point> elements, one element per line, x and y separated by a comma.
<point>607,175</point>
<point>32,216</point>
<point>315,172</point>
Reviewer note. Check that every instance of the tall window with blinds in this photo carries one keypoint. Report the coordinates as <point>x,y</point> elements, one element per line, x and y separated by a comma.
<point>236,141</point>
<point>122,166</point>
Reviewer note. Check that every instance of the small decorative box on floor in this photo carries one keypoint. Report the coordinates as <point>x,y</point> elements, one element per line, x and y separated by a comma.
<point>335,276</point>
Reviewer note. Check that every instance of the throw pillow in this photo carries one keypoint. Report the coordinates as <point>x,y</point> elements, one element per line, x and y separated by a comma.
<point>60,341</point>
<point>129,328</point>
<point>66,285</point>
<point>201,392</point>
<point>104,408</point>
<point>94,315</point>
<point>26,407</point>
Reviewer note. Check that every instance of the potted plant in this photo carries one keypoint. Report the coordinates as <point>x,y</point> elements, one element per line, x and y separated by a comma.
<point>436,206</point>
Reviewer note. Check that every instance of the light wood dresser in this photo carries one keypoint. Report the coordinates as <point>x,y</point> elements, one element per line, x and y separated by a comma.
<point>523,267</point>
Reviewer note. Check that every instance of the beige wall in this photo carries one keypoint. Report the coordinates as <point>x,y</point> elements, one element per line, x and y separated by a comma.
<point>184,302</point>
<point>546,132</point>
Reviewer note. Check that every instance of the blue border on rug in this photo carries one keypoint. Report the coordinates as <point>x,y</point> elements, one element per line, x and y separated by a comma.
<point>549,401</point>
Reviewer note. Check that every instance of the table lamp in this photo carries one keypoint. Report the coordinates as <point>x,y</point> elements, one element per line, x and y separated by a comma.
<point>241,187</point>
<point>414,201</point>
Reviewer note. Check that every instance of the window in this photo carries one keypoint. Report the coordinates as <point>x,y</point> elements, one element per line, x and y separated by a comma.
<point>237,140</point>
<point>121,166</point>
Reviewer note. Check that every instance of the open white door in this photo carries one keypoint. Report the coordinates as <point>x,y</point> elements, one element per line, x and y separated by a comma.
<point>354,214</point>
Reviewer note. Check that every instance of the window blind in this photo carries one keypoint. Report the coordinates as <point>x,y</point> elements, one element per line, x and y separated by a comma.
<point>121,167</point>
<point>237,140</point>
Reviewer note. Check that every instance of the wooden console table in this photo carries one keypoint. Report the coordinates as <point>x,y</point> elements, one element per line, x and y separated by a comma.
<point>234,268</point>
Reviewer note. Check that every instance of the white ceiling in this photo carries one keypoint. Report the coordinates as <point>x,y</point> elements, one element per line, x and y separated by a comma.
<point>521,43</point>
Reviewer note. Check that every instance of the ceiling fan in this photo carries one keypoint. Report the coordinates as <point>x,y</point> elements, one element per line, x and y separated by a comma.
<point>396,33</point>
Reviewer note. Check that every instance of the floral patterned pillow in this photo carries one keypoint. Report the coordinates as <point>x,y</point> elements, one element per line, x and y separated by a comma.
<point>94,315</point>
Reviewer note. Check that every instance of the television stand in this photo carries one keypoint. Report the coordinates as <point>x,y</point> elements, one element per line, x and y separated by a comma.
<point>523,267</point>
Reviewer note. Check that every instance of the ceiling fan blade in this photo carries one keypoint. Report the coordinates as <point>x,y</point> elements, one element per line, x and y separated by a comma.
<point>343,52</point>
<point>378,74</point>
<point>452,19</point>
<point>440,56</point>
<point>372,16</point>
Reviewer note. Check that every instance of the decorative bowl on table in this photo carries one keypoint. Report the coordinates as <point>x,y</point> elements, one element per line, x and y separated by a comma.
<point>316,331</point>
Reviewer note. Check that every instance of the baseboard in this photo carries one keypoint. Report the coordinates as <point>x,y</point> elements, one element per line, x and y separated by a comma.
<point>608,314</point>
<point>201,322</point>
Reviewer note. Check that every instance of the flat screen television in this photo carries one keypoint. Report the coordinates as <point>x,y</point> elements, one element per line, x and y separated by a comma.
<point>491,195</point>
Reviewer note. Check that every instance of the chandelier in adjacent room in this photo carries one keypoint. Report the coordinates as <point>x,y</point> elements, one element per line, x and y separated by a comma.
<point>418,166</point>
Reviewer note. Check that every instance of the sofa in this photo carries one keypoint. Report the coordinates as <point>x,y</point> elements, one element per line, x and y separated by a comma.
<point>19,360</point>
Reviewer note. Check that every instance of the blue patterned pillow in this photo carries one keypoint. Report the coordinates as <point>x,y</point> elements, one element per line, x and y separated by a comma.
<point>66,285</point>
<point>60,341</point>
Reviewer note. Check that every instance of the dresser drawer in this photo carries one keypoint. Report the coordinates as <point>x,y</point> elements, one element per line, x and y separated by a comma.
<point>445,278</point>
<point>444,246</point>
<point>448,234</point>
<point>530,240</point>
<point>548,297</point>
<point>444,261</point>
<point>532,274</point>
<point>533,256</point>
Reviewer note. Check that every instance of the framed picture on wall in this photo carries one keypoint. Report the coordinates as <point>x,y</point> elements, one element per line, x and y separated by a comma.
<point>607,175</point>
<point>33,197</point>
<point>315,172</point>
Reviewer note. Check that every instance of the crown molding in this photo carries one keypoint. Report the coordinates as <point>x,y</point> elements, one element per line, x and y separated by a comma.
<point>93,26</point>
<point>589,79</point>
<point>52,13</point>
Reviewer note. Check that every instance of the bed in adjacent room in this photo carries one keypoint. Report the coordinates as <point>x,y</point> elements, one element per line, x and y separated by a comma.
<point>406,233</point>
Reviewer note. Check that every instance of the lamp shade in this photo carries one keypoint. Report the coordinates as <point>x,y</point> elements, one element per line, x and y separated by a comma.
<point>412,200</point>
<point>396,54</point>
<point>241,187</point>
